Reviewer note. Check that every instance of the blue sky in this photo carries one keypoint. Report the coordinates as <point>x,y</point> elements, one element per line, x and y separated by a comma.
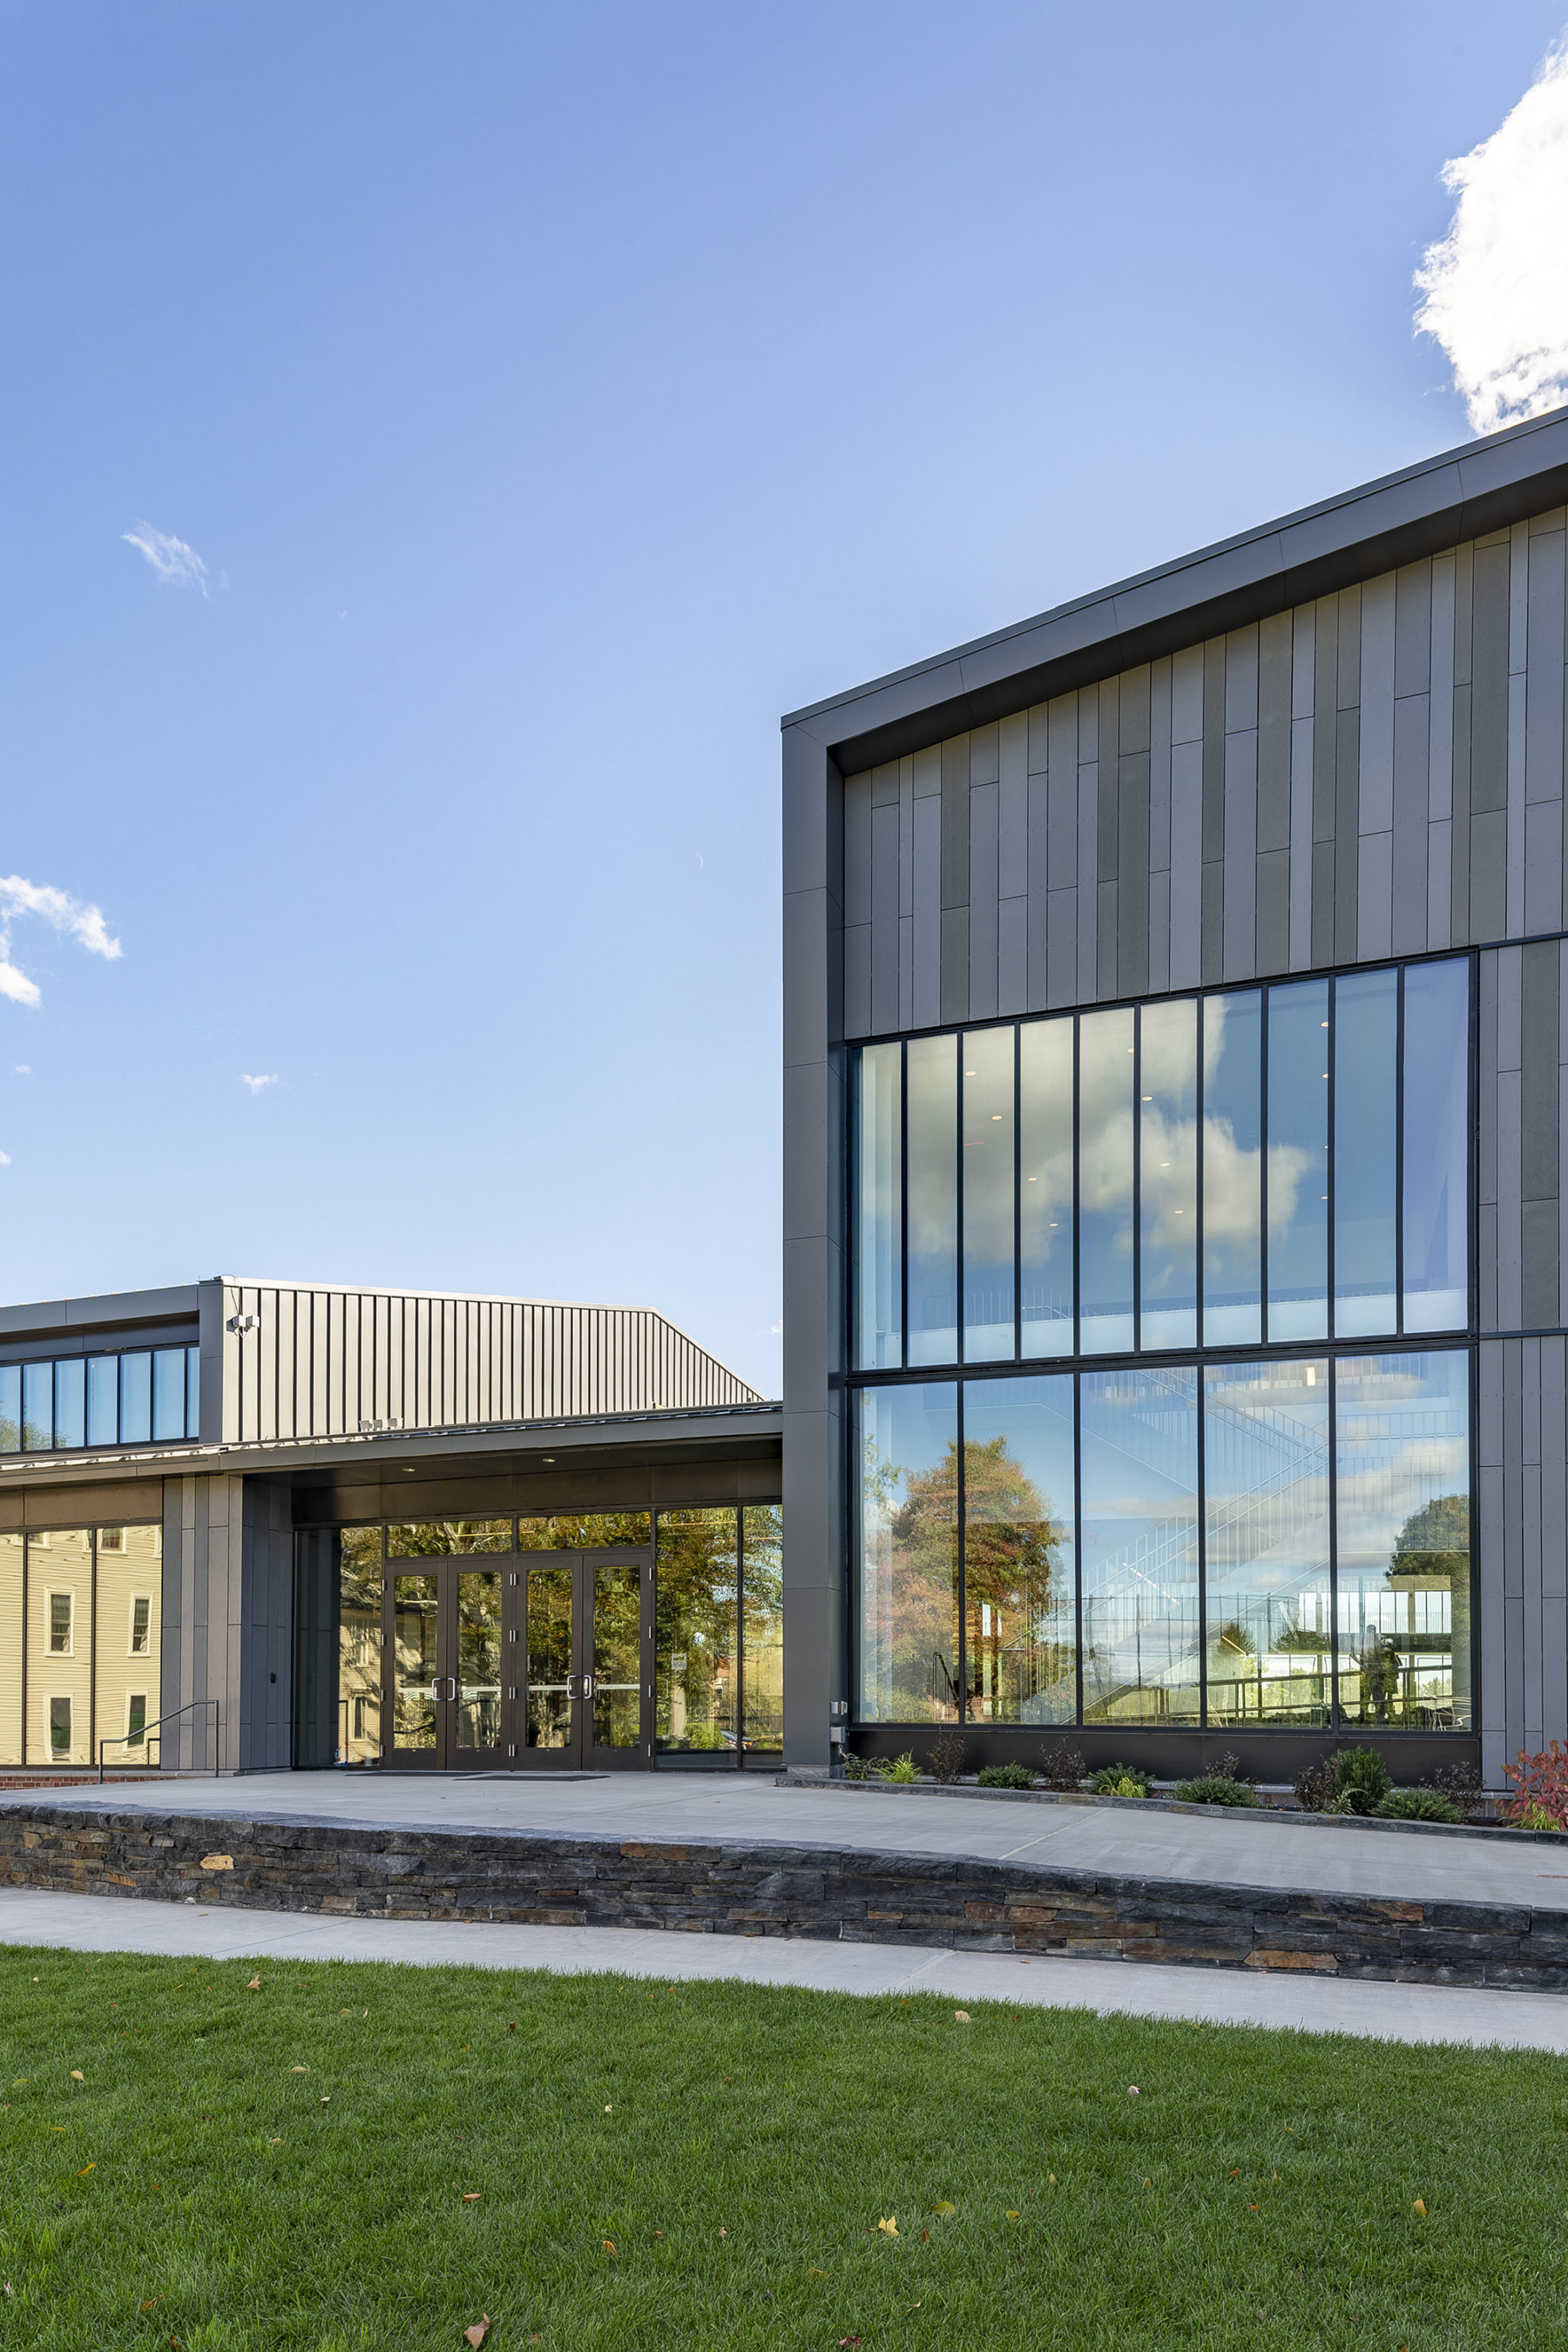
<point>555,395</point>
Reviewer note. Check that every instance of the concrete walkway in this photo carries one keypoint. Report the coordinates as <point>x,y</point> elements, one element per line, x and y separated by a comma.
<point>1228,1848</point>
<point>1220,1997</point>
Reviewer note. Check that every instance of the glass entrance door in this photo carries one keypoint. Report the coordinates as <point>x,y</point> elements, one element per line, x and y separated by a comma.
<point>444,1651</point>
<point>587,1634</point>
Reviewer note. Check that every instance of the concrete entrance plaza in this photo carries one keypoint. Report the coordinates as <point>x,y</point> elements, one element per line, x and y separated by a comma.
<point>700,1810</point>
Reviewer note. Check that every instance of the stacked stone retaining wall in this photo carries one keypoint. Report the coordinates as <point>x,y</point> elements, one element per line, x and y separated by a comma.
<point>754,1889</point>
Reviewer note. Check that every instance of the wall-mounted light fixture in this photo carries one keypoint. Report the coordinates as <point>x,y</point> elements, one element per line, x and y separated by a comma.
<point>243,1323</point>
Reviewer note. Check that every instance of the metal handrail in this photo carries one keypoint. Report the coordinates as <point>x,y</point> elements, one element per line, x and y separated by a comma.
<point>147,1730</point>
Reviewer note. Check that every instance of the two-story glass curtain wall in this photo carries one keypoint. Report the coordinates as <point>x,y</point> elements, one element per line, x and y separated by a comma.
<point>1278,1164</point>
<point>1278,1541</point>
<point>142,1396</point>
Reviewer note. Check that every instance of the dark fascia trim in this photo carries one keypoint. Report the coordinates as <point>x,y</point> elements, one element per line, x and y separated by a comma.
<point>113,1313</point>
<point>1486,485</point>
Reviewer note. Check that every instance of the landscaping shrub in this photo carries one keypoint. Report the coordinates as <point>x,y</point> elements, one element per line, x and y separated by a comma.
<point>1361,1780</point>
<point>1541,1782</point>
<point>1314,1786</point>
<point>860,1768</point>
<point>903,1770</point>
<point>1061,1765</point>
<point>944,1757</point>
<point>1460,1781</point>
<point>1217,1789</point>
<point>1121,1781</point>
<point>1418,1805</point>
<point>1006,1775</point>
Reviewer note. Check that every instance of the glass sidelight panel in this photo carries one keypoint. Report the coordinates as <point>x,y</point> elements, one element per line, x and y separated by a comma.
<point>1139,1474</point>
<point>1105,1181</point>
<point>415,1612</point>
<point>696,1632</point>
<point>988,1254</point>
<point>478,1660</point>
<point>618,1654</point>
<point>762,1627</point>
<point>932,1185</point>
<point>1233,1170</point>
<point>1298,1162</point>
<point>1168,1174</point>
<point>357,1732</point>
<point>1046,1292</point>
<point>878,1210</point>
<point>549,1657</point>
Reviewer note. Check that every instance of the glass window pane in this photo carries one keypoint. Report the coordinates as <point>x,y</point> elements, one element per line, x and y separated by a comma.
<point>443,1539</point>
<point>10,1408</point>
<point>1298,1162</point>
<point>193,1392</point>
<point>879,1208</point>
<point>762,1627</point>
<point>59,1647</point>
<point>1266,1500</point>
<point>1140,1547</point>
<point>696,1633</point>
<point>135,1399</point>
<point>1105,1181</point>
<point>908,1597</point>
<point>1168,1174</point>
<point>618,1654</point>
<point>168,1394</point>
<point>1404,1514</point>
<point>1233,1170</point>
<point>37,1406</point>
<point>415,1607</point>
<point>1020,1605</point>
<point>478,1658</point>
<point>988,1335</point>
<point>129,1642</point>
<point>357,1734</point>
<point>932,1079</point>
<point>103,1400</point>
<point>1366,1097</point>
<point>70,1402</point>
<point>11,1645</point>
<point>549,1653</point>
<point>584,1532</point>
<point>1437,1146</point>
<point>1045,1204</point>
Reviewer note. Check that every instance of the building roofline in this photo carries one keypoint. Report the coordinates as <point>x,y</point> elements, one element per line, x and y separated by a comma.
<point>1483,486</point>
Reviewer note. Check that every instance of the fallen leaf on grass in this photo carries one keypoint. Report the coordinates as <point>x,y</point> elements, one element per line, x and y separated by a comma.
<point>298,2070</point>
<point>961,2017</point>
<point>150,2306</point>
<point>724,2233</point>
<point>1147,2183</point>
<point>817,2274</point>
<point>1420,2206</point>
<point>889,2228</point>
<point>255,1985</point>
<point>609,2111</point>
<point>274,2142</point>
<point>609,2245</point>
<point>944,2207</point>
<point>478,2331</point>
<point>1133,2091</point>
<point>1052,2179</point>
<point>914,2307</point>
<point>326,2098</point>
<point>925,2237</point>
<point>93,2167</point>
<point>848,2340</point>
<point>77,2074</point>
<point>1235,2173</point>
<point>472,2196</point>
<point>1252,2208</point>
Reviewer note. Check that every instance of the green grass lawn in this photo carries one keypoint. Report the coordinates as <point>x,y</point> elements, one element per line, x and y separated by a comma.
<point>376,2156</point>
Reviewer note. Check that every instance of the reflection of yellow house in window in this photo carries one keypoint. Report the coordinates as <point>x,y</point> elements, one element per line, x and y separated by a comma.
<point>130,1583</point>
<point>59,1646</point>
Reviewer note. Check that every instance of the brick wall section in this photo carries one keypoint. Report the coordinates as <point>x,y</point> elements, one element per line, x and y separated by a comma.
<point>835,1894</point>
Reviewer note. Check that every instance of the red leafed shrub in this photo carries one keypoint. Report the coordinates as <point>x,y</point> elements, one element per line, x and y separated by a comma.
<point>1540,1783</point>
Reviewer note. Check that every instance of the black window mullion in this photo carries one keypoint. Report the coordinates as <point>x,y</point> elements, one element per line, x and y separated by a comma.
<point>1329,1185</point>
<point>1137,1179</point>
<point>1333,1372</point>
<point>1017,1192</point>
<point>904,1201</point>
<point>1399,1151</point>
<point>1263,1168</point>
<point>740,1635</point>
<point>1200,1374</point>
<point>958,1198</point>
<point>1078,1538</point>
<point>1077,1271</point>
<point>1198,1180</point>
<point>963,1537</point>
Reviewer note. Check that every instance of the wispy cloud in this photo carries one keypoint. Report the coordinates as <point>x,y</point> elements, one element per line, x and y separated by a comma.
<point>5,1160</point>
<point>63,913</point>
<point>256,1085</point>
<point>176,565</point>
<point>1496,287</point>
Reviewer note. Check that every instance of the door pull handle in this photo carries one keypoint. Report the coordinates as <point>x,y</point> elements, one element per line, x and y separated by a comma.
<point>570,1692</point>
<point>587,1685</point>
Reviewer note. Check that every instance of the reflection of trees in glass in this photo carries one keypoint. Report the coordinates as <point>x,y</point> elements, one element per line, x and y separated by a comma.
<point>911,1529</point>
<point>357,1732</point>
<point>695,1630</point>
<point>583,1530</point>
<point>1011,1543</point>
<point>761,1611</point>
<point>442,1539</point>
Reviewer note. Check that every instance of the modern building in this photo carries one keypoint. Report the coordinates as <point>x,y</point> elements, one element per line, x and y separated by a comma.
<point>256,1524</point>
<point>1175,1021</point>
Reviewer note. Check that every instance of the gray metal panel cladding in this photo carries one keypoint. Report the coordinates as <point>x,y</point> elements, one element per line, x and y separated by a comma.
<point>1522,1573</point>
<point>323,1362</point>
<point>1376,773</point>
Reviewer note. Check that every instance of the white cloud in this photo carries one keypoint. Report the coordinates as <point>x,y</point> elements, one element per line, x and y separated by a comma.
<point>84,924</point>
<point>176,565</point>
<point>5,1160</point>
<point>1496,287</point>
<point>256,1085</point>
<point>22,1069</point>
